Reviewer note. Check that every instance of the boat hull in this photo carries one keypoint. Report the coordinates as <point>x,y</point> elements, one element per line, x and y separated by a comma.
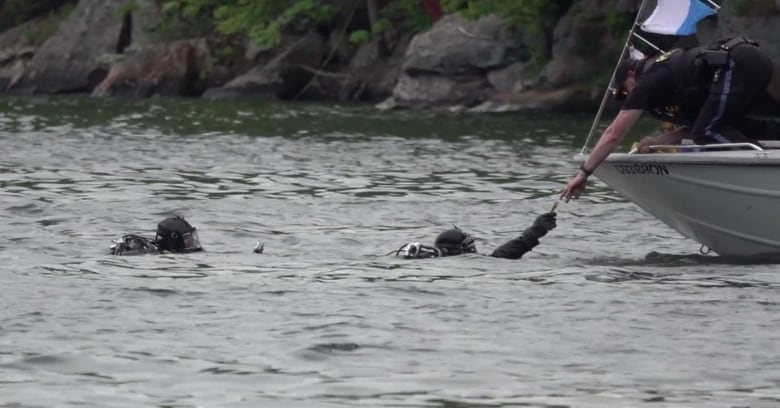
<point>727,201</point>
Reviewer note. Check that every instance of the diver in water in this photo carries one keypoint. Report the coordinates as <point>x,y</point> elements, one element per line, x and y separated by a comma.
<point>174,235</point>
<point>456,242</point>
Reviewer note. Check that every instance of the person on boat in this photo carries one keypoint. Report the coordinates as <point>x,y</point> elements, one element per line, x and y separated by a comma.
<point>456,242</point>
<point>708,91</point>
<point>174,235</point>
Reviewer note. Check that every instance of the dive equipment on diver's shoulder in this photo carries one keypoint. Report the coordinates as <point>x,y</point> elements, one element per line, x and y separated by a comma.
<point>132,244</point>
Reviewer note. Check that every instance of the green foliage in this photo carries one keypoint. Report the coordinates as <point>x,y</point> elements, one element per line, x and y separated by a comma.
<point>16,12</point>
<point>360,36</point>
<point>618,23</point>
<point>535,14</point>
<point>381,26</point>
<point>403,14</point>
<point>226,53</point>
<point>175,27</point>
<point>36,34</point>
<point>755,7</point>
<point>260,21</point>
<point>12,12</point>
<point>468,8</point>
<point>408,14</point>
<point>128,7</point>
<point>364,36</point>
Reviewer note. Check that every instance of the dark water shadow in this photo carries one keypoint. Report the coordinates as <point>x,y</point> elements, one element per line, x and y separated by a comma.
<point>449,403</point>
<point>684,269</point>
<point>685,279</point>
<point>659,259</point>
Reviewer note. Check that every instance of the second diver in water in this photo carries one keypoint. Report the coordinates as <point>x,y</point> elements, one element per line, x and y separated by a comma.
<point>174,235</point>
<point>456,242</point>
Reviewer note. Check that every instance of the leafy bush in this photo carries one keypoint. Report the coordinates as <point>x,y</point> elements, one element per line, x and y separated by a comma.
<point>360,36</point>
<point>260,21</point>
<point>15,12</point>
<point>755,7</point>
<point>408,14</point>
<point>36,34</point>
<point>534,14</point>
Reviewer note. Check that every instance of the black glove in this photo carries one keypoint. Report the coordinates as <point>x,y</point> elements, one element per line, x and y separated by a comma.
<point>544,224</point>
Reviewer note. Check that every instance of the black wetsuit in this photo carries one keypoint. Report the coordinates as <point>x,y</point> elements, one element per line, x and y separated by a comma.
<point>517,247</point>
<point>712,100</point>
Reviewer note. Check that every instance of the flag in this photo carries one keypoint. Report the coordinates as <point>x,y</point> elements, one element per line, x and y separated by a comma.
<point>676,17</point>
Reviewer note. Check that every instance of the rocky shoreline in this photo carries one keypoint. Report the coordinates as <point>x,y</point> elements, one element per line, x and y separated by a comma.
<point>104,50</point>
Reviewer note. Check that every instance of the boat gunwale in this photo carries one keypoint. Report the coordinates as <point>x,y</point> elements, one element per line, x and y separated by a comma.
<point>752,158</point>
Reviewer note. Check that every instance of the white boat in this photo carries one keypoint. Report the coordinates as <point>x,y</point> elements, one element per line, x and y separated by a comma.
<point>728,201</point>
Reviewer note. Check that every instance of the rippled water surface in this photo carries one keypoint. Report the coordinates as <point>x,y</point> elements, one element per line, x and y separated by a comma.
<point>613,309</point>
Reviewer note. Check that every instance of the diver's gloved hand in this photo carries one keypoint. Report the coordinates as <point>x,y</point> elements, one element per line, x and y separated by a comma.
<point>544,224</point>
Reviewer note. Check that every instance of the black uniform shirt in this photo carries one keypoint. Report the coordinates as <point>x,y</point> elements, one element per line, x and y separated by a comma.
<point>655,93</point>
<point>650,91</point>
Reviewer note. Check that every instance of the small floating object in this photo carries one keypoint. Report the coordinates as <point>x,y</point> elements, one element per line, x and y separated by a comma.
<point>259,246</point>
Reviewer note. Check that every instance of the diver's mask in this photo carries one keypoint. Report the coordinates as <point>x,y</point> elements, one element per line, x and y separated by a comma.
<point>418,250</point>
<point>175,234</point>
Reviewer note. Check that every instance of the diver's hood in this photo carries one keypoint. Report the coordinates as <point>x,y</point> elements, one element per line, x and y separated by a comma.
<point>175,234</point>
<point>455,242</point>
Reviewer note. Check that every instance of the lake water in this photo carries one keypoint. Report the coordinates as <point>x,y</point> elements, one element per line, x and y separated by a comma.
<point>613,309</point>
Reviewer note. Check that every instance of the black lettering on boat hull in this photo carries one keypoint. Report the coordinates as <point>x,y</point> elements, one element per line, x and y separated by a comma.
<point>638,169</point>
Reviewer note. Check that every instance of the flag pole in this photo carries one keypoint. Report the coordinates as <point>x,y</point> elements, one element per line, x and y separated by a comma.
<point>646,41</point>
<point>612,78</point>
<point>713,4</point>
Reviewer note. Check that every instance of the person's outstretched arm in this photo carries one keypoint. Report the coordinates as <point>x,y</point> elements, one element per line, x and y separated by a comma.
<point>517,247</point>
<point>607,143</point>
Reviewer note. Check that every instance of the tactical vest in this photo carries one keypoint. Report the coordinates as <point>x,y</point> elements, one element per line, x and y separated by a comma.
<point>693,71</point>
<point>688,82</point>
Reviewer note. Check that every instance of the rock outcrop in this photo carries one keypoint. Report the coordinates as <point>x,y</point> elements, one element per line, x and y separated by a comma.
<point>171,69</point>
<point>285,76</point>
<point>15,53</point>
<point>451,64</point>
<point>72,59</point>
<point>107,48</point>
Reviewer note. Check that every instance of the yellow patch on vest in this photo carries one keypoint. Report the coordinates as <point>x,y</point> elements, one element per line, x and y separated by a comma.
<point>665,55</point>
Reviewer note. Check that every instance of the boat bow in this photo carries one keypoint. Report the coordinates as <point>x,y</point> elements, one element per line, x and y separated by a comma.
<point>726,200</point>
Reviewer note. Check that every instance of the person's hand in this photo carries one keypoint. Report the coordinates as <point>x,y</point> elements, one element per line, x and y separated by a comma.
<point>575,187</point>
<point>644,145</point>
<point>545,222</point>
